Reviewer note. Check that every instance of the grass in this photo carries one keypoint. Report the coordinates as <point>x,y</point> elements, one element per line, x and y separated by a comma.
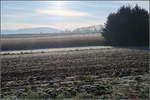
<point>100,90</point>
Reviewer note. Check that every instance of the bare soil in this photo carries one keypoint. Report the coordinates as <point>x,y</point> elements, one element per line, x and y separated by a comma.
<point>21,71</point>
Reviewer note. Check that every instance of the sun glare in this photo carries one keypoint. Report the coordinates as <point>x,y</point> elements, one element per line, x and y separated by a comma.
<point>59,4</point>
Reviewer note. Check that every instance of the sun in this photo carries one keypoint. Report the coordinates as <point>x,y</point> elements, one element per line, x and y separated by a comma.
<point>59,4</point>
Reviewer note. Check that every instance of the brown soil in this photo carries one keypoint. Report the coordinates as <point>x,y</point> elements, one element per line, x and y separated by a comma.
<point>22,70</point>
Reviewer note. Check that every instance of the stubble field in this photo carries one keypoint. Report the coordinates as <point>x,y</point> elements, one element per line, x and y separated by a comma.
<point>44,41</point>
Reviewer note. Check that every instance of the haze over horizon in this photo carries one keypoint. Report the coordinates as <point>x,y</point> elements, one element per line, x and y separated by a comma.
<point>59,14</point>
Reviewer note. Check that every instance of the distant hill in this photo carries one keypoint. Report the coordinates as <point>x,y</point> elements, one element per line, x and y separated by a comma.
<point>89,29</point>
<point>31,30</point>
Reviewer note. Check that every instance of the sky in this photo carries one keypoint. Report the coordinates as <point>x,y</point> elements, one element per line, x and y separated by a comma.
<point>59,14</point>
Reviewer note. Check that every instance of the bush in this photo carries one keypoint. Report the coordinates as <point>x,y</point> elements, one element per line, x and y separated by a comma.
<point>129,26</point>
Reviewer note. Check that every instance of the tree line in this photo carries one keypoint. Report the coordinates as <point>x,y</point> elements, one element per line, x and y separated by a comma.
<point>128,26</point>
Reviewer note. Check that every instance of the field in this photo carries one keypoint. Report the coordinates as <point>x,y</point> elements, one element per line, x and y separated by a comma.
<point>38,41</point>
<point>106,73</point>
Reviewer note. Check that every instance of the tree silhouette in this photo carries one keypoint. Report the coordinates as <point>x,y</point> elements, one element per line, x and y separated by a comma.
<point>129,26</point>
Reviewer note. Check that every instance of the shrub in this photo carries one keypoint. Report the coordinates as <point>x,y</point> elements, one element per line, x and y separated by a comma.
<point>129,26</point>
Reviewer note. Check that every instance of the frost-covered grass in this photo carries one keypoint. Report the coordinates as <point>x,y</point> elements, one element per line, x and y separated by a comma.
<point>52,50</point>
<point>130,87</point>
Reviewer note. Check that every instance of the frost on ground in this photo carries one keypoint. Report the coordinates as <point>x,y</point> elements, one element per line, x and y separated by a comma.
<point>107,73</point>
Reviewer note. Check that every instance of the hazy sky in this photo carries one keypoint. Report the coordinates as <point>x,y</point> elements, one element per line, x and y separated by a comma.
<point>59,14</point>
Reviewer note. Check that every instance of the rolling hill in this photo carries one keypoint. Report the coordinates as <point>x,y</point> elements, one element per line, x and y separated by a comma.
<point>31,30</point>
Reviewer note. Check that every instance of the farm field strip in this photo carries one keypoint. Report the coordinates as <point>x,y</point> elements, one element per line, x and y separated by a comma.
<point>54,49</point>
<point>78,59</point>
<point>51,42</point>
<point>45,36</point>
